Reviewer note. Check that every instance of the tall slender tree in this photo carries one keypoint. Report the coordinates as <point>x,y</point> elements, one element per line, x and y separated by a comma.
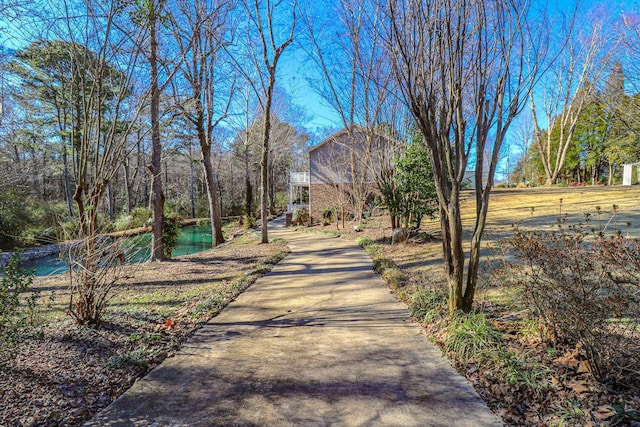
<point>152,9</point>
<point>200,28</point>
<point>51,78</point>
<point>265,25</point>
<point>565,93</point>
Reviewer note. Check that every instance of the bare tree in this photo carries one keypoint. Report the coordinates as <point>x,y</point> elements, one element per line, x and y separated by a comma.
<point>522,138</point>
<point>631,42</point>
<point>151,11</point>
<point>355,83</point>
<point>265,57</point>
<point>565,92</point>
<point>199,31</point>
<point>244,149</point>
<point>462,69</point>
<point>108,64</point>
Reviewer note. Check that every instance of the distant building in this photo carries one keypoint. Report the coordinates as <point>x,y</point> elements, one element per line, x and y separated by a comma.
<point>630,173</point>
<point>469,180</point>
<point>298,190</point>
<point>336,180</point>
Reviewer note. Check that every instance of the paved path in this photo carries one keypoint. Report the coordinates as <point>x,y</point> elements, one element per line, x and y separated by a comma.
<point>319,341</point>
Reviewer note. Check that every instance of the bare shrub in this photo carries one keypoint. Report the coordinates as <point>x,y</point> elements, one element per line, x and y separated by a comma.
<point>95,265</point>
<point>585,293</point>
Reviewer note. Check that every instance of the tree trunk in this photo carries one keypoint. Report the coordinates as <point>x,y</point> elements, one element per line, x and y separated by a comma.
<point>474,256</point>
<point>456,271</point>
<point>192,186</point>
<point>110,202</point>
<point>157,195</point>
<point>248,198</point>
<point>272,189</point>
<point>127,184</point>
<point>212,192</point>
<point>67,183</point>
<point>264,163</point>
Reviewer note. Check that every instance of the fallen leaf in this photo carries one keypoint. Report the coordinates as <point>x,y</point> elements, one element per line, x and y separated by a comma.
<point>580,387</point>
<point>583,368</point>
<point>603,413</point>
<point>568,362</point>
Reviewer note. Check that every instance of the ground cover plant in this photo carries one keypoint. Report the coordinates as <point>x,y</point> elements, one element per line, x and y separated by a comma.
<point>66,373</point>
<point>553,338</point>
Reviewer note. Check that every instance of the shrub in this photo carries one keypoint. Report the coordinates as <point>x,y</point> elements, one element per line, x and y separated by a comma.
<point>248,221</point>
<point>327,214</point>
<point>95,266</point>
<point>25,221</point>
<point>427,305</point>
<point>203,223</point>
<point>138,217</point>
<point>585,293</point>
<point>170,231</point>
<point>364,241</point>
<point>17,309</point>
<point>300,216</point>
<point>137,358</point>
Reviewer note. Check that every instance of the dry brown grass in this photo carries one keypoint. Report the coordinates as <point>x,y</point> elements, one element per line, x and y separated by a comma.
<point>574,397</point>
<point>511,207</point>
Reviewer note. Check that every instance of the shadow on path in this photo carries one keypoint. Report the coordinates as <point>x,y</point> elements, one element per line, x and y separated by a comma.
<point>318,341</point>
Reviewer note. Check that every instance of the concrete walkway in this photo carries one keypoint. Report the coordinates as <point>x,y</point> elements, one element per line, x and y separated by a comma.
<point>319,341</point>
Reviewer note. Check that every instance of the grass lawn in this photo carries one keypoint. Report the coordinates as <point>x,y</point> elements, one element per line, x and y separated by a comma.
<point>527,381</point>
<point>63,374</point>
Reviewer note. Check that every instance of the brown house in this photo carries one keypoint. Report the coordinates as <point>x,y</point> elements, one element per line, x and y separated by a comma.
<point>343,170</point>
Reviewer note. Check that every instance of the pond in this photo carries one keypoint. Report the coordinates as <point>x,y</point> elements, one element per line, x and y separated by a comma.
<point>191,240</point>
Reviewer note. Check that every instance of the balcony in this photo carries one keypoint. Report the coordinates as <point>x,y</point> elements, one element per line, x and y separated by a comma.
<point>299,178</point>
<point>298,190</point>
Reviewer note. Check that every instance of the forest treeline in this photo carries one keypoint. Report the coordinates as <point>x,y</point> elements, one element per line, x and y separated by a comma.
<point>604,137</point>
<point>76,107</point>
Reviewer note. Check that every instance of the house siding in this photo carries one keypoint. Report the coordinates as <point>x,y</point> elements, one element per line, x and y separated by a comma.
<point>321,196</point>
<point>330,168</point>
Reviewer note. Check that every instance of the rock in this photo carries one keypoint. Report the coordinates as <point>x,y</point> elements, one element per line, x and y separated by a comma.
<point>399,235</point>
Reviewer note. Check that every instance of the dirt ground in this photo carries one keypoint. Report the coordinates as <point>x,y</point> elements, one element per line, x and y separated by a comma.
<point>64,374</point>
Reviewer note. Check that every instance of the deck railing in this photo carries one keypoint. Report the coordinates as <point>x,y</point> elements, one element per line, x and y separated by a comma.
<point>299,178</point>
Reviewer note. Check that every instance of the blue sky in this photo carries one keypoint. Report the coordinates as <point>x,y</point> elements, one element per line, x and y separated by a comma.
<point>293,66</point>
<point>293,78</point>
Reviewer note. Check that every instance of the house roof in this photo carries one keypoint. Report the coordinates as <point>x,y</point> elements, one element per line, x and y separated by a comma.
<point>354,128</point>
<point>335,136</point>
